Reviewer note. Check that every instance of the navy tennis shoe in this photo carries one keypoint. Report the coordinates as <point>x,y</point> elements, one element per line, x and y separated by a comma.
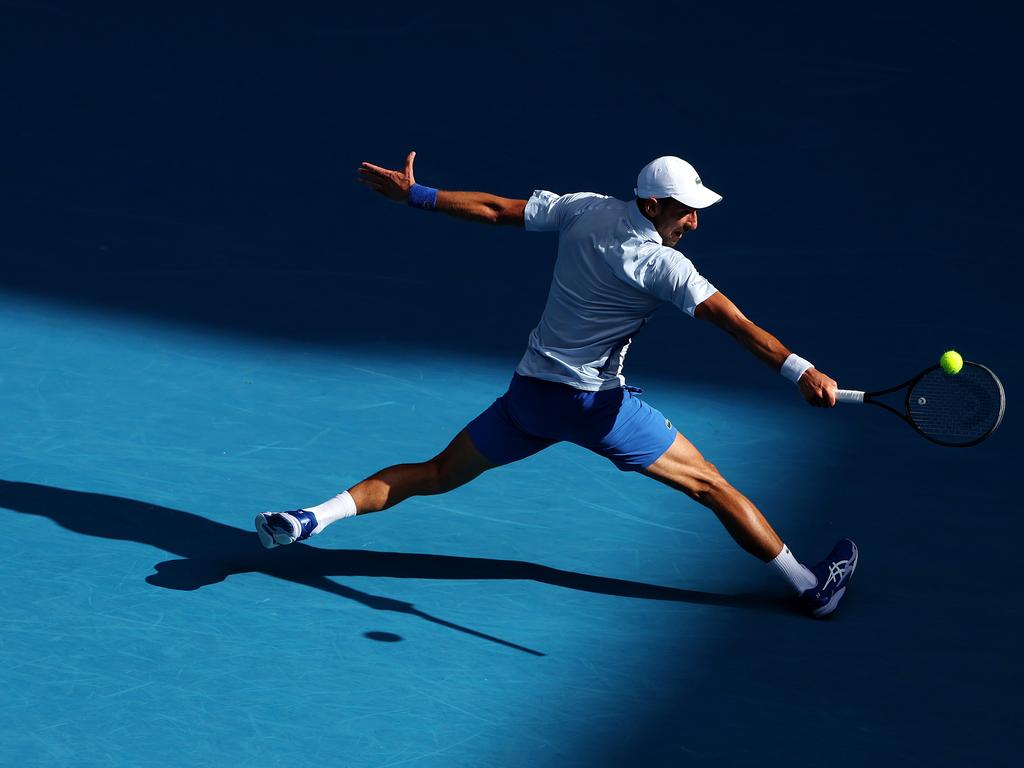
<point>278,528</point>
<point>833,574</point>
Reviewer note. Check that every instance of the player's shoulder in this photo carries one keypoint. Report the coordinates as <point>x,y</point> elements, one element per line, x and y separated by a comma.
<point>663,253</point>
<point>547,210</point>
<point>666,260</point>
<point>573,200</point>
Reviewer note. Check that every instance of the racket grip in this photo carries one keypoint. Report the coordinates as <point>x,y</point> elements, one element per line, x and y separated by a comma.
<point>849,396</point>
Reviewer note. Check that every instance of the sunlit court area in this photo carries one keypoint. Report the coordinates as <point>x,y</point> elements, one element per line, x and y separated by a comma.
<point>204,316</point>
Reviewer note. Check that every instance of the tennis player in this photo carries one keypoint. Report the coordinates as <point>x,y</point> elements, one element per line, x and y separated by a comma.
<point>616,265</point>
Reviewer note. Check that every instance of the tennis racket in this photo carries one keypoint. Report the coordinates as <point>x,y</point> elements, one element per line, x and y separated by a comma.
<point>957,410</point>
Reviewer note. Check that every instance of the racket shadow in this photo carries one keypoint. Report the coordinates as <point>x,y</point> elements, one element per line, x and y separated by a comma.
<point>208,552</point>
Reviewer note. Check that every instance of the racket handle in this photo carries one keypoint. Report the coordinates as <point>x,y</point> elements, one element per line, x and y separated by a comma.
<point>849,396</point>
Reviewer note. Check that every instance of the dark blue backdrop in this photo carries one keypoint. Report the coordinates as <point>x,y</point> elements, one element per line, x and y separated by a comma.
<point>199,164</point>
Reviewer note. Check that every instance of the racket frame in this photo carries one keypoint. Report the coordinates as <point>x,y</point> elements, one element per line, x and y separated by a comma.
<point>856,396</point>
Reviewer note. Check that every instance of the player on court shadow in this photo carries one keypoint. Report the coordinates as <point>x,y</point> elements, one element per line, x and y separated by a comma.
<point>615,267</point>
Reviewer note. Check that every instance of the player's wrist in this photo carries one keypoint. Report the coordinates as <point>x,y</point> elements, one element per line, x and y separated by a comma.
<point>794,367</point>
<point>423,197</point>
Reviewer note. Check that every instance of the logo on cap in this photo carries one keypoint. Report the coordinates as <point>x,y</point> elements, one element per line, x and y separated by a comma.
<point>698,181</point>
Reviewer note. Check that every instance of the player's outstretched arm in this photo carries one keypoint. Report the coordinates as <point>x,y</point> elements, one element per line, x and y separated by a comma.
<point>816,388</point>
<point>474,206</point>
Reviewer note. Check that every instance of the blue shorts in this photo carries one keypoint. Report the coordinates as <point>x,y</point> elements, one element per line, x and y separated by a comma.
<point>534,414</point>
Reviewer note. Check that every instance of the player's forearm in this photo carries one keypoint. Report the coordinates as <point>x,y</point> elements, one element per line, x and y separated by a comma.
<point>401,187</point>
<point>718,309</point>
<point>763,345</point>
<point>817,388</point>
<point>482,207</point>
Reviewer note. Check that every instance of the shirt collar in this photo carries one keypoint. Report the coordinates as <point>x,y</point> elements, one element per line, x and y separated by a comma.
<point>641,224</point>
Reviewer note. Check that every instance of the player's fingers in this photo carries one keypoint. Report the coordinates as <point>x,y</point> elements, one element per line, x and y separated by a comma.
<point>379,182</point>
<point>408,165</point>
<point>371,168</point>
<point>368,174</point>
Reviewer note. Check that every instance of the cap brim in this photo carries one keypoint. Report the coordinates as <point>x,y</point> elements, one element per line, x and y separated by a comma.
<point>702,197</point>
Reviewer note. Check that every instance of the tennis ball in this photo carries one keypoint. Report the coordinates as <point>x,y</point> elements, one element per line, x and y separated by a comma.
<point>951,362</point>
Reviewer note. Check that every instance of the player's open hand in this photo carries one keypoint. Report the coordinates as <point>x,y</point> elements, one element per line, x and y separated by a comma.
<point>394,185</point>
<point>818,389</point>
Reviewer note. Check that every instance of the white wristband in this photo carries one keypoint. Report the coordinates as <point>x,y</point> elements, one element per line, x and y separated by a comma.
<point>795,367</point>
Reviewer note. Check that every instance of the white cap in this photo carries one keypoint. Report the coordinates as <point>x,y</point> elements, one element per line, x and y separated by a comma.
<point>674,177</point>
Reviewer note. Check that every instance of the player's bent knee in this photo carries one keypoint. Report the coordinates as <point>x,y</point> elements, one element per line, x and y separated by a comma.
<point>707,483</point>
<point>434,480</point>
<point>446,475</point>
<point>459,463</point>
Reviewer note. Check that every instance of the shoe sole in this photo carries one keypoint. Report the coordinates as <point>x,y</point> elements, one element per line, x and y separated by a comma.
<point>268,537</point>
<point>264,532</point>
<point>832,604</point>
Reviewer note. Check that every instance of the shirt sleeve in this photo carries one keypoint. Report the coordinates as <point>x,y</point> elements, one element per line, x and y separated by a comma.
<point>546,211</point>
<point>673,278</point>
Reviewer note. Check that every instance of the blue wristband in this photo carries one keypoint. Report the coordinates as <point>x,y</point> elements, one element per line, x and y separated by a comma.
<point>423,197</point>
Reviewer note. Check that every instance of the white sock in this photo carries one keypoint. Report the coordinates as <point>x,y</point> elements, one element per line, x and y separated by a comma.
<point>332,510</point>
<point>795,572</point>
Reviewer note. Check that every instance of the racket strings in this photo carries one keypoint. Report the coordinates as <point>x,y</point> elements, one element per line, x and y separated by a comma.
<point>958,409</point>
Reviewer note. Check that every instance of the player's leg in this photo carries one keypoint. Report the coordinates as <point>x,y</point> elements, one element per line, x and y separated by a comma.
<point>456,465</point>
<point>492,439</point>
<point>637,437</point>
<point>684,468</point>
<point>821,586</point>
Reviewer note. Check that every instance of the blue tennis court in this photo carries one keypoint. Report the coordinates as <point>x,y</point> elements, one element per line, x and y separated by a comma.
<point>202,317</point>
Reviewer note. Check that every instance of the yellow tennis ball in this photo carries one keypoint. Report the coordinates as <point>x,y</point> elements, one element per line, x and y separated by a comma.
<point>951,362</point>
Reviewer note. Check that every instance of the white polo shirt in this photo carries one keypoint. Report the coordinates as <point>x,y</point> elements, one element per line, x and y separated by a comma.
<point>611,274</point>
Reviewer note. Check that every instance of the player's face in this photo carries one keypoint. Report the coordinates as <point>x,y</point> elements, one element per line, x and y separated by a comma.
<point>672,219</point>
